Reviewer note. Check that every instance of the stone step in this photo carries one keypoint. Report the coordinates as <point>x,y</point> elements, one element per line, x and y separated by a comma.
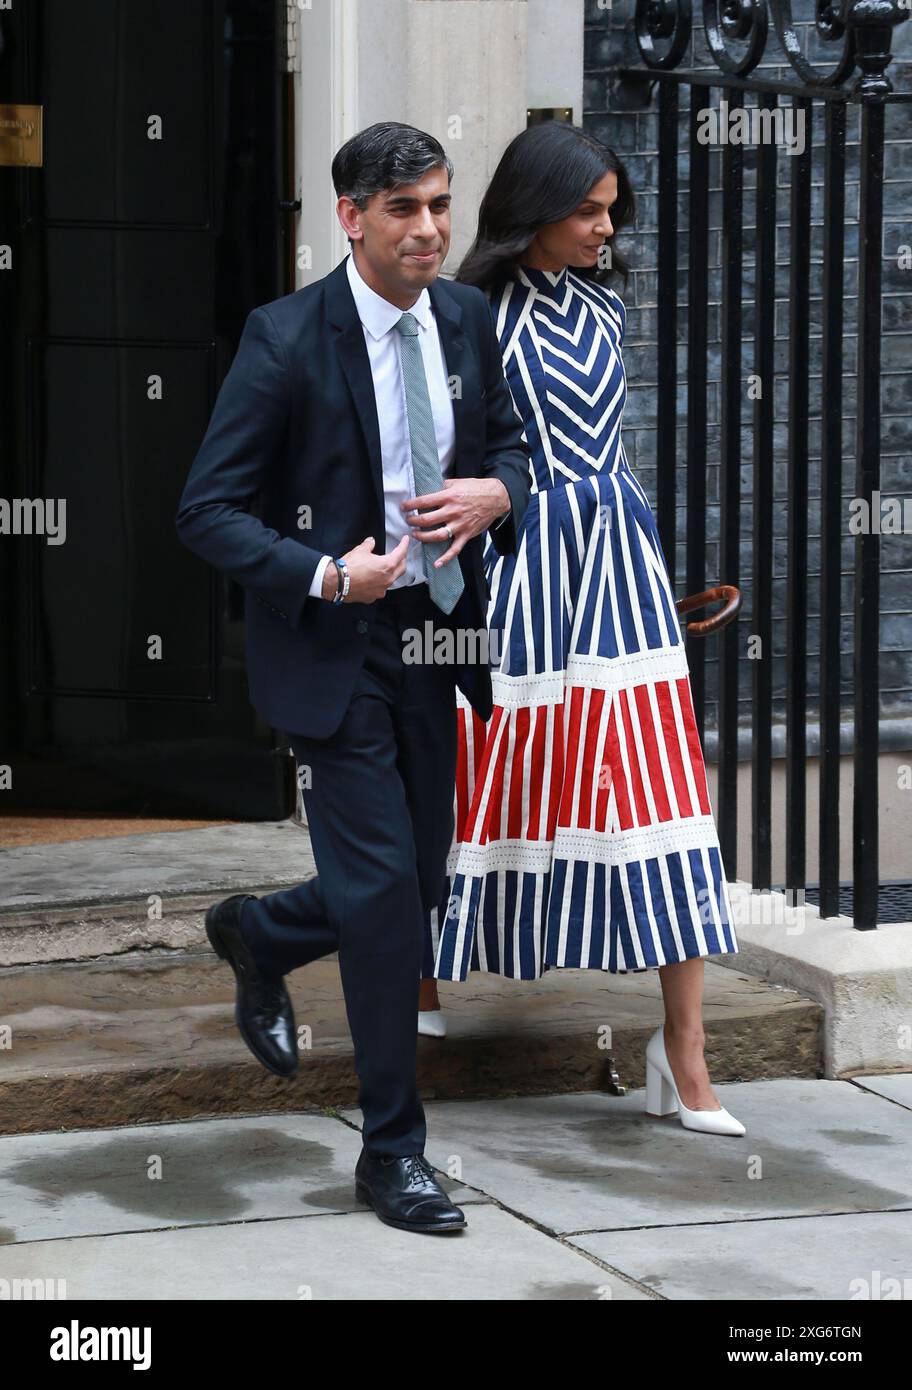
<point>149,1036</point>
<point>71,881</point>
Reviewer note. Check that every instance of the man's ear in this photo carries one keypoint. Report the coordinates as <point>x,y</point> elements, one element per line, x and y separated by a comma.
<point>345,206</point>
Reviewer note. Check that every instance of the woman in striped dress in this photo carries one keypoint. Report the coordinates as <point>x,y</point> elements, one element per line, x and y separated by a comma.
<point>584,833</point>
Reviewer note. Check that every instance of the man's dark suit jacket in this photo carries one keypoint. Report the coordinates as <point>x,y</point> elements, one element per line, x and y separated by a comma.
<point>295,426</point>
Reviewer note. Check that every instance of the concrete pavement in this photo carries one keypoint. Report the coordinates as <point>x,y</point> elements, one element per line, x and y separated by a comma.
<point>568,1197</point>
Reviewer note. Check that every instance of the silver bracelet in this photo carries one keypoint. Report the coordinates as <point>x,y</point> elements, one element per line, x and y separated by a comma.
<point>343,580</point>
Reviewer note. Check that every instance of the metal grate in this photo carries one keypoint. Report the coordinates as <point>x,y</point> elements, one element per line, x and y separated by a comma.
<point>894,900</point>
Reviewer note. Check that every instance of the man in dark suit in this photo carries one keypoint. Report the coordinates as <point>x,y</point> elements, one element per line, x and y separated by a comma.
<point>369,415</point>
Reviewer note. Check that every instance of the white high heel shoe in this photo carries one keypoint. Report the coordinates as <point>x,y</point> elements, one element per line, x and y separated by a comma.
<point>662,1096</point>
<point>432,1023</point>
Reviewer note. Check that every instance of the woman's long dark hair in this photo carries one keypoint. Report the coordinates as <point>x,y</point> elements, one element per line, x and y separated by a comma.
<point>544,174</point>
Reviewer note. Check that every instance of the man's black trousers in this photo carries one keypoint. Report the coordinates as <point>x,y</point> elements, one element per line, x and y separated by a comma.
<point>379,801</point>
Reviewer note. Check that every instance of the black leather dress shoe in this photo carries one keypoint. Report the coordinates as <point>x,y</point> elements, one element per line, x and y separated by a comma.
<point>262,1009</point>
<point>404,1193</point>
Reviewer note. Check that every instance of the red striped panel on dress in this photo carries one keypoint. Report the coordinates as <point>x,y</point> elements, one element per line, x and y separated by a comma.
<point>557,772</point>
<point>693,743</point>
<point>495,810</point>
<point>651,746</point>
<point>676,749</point>
<point>494,773</point>
<point>589,781</point>
<point>567,812</point>
<point>612,756</point>
<point>517,782</point>
<point>605,775</point>
<point>476,819</point>
<point>633,762</point>
<point>537,771</point>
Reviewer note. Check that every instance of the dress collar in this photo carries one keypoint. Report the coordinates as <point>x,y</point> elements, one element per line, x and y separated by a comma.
<point>550,283</point>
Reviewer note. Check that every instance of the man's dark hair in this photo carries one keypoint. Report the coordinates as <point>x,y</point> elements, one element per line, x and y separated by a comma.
<point>385,156</point>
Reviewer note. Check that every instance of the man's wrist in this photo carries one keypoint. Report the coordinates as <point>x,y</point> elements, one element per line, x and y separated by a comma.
<point>330,581</point>
<point>503,495</point>
<point>507,506</point>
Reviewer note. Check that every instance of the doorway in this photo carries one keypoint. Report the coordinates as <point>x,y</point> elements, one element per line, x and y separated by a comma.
<point>136,248</point>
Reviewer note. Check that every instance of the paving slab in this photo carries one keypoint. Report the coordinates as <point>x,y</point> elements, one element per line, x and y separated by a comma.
<point>95,1182</point>
<point>863,1256</point>
<point>346,1256</point>
<point>596,1162</point>
<point>567,1197</point>
<point>895,1086</point>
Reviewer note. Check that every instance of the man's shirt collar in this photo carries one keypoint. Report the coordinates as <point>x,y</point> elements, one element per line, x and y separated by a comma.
<point>375,312</point>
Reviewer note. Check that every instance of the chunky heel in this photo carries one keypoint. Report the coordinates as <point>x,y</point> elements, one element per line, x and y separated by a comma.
<point>660,1097</point>
<point>361,1194</point>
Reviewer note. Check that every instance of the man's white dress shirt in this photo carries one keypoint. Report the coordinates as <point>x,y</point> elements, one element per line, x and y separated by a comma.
<point>378,320</point>
<point>384,345</point>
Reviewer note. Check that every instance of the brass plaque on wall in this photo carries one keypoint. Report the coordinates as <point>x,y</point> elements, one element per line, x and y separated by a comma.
<point>534,114</point>
<point>20,134</point>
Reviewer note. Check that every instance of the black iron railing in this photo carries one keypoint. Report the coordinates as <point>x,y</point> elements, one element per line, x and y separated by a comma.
<point>858,33</point>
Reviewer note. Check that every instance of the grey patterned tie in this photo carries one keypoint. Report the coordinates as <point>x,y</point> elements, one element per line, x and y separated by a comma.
<point>445,584</point>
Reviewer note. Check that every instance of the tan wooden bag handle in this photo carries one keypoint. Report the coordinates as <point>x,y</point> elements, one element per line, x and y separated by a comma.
<point>726,594</point>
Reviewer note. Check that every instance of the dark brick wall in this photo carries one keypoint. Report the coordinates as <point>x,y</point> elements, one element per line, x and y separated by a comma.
<point>610,43</point>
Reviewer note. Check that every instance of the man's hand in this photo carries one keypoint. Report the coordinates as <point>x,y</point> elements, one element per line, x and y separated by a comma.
<point>369,575</point>
<point>467,506</point>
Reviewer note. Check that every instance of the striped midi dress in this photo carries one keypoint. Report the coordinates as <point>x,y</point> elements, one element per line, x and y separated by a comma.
<point>584,832</point>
